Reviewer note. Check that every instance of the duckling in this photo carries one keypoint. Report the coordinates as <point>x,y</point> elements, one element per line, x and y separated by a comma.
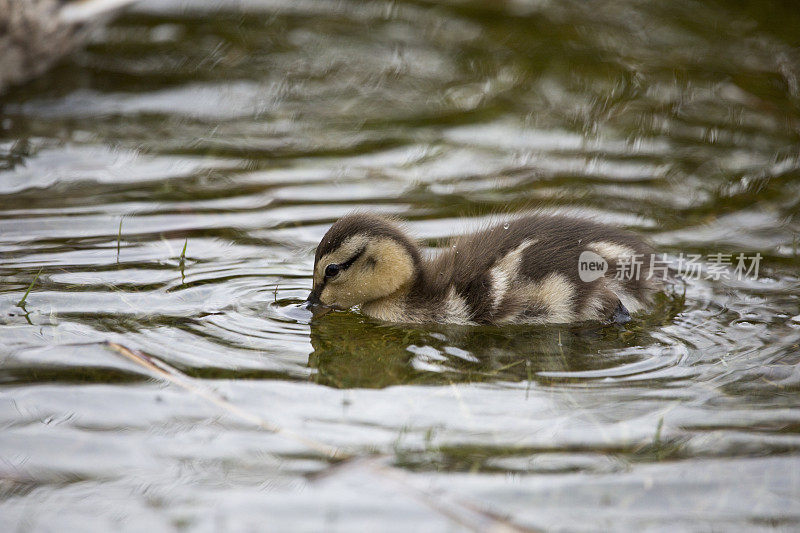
<point>37,33</point>
<point>524,271</point>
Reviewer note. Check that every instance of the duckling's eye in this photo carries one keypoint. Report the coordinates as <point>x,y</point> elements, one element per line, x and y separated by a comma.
<point>331,270</point>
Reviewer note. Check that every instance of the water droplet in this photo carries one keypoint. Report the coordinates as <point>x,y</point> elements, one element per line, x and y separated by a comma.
<point>505,226</point>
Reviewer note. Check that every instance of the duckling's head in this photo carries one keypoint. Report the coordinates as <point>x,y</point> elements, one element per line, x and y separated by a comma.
<point>362,258</point>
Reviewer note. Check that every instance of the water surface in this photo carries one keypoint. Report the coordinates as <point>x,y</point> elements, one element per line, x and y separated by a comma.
<point>239,131</point>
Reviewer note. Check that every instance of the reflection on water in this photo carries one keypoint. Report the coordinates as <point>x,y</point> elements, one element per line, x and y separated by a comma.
<point>362,353</point>
<point>172,179</point>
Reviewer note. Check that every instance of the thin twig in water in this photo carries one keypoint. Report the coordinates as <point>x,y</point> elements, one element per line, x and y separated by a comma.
<point>119,236</point>
<point>183,260</point>
<point>467,514</point>
<point>182,380</point>
<point>21,303</point>
<point>657,439</point>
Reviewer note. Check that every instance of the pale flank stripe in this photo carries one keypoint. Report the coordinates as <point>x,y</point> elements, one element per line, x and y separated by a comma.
<point>455,308</point>
<point>505,272</point>
<point>611,250</point>
<point>556,293</point>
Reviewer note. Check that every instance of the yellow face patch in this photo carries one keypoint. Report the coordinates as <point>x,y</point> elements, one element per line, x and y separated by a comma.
<point>379,267</point>
<point>342,254</point>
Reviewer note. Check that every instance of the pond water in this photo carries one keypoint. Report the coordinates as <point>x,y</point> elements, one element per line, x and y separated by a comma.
<point>170,181</point>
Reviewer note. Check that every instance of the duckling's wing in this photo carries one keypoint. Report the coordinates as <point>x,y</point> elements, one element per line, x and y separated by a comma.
<point>549,275</point>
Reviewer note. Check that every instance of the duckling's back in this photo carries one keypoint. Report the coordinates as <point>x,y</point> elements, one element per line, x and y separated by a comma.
<point>528,271</point>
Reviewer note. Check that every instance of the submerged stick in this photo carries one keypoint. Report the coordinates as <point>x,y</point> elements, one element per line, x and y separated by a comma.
<point>185,382</point>
<point>467,514</point>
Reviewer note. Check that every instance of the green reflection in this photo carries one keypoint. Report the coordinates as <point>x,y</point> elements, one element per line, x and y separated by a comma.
<point>351,351</point>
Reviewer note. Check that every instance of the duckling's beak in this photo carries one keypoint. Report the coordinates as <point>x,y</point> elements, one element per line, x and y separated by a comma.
<point>316,307</point>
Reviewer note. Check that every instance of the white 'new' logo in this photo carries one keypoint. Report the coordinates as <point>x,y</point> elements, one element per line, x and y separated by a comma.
<point>591,266</point>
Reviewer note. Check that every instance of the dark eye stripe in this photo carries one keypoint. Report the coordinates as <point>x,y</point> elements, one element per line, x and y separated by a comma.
<point>347,264</point>
<point>344,266</point>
